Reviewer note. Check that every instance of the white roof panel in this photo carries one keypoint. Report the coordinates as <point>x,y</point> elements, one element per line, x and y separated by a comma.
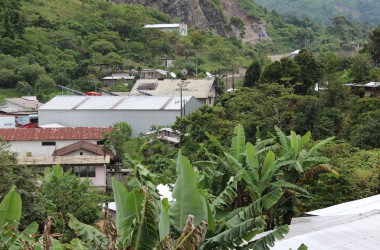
<point>162,25</point>
<point>64,102</point>
<point>114,102</point>
<point>352,207</point>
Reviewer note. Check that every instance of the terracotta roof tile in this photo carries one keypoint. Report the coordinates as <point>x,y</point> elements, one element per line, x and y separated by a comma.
<point>56,134</point>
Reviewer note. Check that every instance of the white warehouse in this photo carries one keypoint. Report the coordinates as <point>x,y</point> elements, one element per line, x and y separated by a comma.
<point>141,112</point>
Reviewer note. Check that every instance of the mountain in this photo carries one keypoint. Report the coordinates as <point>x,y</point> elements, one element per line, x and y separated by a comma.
<point>203,14</point>
<point>323,11</point>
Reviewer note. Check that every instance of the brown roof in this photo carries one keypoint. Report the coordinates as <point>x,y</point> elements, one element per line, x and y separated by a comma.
<point>56,134</point>
<point>25,102</point>
<point>80,145</point>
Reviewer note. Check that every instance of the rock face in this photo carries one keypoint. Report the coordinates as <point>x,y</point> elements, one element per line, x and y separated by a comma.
<point>195,13</point>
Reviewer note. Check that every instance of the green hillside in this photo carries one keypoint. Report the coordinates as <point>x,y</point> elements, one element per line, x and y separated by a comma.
<point>46,43</point>
<point>323,11</point>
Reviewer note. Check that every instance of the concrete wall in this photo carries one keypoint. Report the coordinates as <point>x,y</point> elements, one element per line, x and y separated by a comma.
<point>36,149</point>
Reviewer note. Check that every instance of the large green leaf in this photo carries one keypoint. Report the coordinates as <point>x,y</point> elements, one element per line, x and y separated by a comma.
<point>188,200</point>
<point>120,194</point>
<point>164,222</point>
<point>268,240</point>
<point>226,239</point>
<point>252,161</point>
<point>92,237</point>
<point>10,208</point>
<point>255,209</point>
<point>145,233</point>
<point>25,236</point>
<point>238,142</point>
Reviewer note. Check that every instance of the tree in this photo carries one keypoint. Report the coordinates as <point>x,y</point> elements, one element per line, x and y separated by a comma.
<point>35,204</point>
<point>310,71</point>
<point>374,44</point>
<point>69,194</point>
<point>252,74</point>
<point>45,85</point>
<point>360,68</point>
<point>285,72</point>
<point>24,88</point>
<point>117,137</point>
<point>238,25</point>
<point>10,18</point>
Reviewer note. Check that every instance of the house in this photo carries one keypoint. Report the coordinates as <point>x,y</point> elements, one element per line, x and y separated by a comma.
<point>350,225</point>
<point>204,90</point>
<point>77,149</point>
<point>181,28</point>
<point>371,89</point>
<point>129,76</point>
<point>141,112</point>
<point>124,77</point>
<point>24,104</point>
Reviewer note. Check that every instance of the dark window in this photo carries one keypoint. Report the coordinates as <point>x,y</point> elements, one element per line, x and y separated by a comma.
<point>84,171</point>
<point>48,143</point>
<point>80,153</point>
<point>100,143</point>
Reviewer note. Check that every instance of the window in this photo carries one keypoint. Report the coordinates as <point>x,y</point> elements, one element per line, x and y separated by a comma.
<point>48,143</point>
<point>80,153</point>
<point>100,142</point>
<point>84,171</point>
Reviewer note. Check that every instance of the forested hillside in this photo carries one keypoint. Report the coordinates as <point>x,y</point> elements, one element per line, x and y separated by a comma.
<point>323,11</point>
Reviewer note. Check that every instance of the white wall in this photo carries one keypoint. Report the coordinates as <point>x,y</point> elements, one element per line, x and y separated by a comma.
<point>36,148</point>
<point>140,120</point>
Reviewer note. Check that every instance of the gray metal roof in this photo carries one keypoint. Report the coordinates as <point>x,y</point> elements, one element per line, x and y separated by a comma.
<point>350,225</point>
<point>114,103</point>
<point>162,25</point>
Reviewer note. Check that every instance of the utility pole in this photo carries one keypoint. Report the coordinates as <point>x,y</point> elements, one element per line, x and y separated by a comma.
<point>181,84</point>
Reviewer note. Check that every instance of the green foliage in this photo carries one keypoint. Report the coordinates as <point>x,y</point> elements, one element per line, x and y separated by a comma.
<point>69,194</point>
<point>374,44</point>
<point>285,72</point>
<point>252,74</point>
<point>117,137</point>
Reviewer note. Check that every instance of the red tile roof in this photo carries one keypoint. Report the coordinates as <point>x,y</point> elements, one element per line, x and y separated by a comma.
<point>56,134</point>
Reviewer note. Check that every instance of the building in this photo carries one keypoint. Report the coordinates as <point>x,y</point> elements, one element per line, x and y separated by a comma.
<point>72,148</point>
<point>128,77</point>
<point>204,90</point>
<point>351,225</point>
<point>23,104</point>
<point>181,28</point>
<point>371,89</point>
<point>141,112</point>
<point>122,77</point>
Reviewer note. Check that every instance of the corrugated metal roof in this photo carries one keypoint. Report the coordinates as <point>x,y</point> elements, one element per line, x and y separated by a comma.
<point>114,102</point>
<point>199,88</point>
<point>351,225</point>
<point>353,207</point>
<point>39,134</point>
<point>354,232</point>
<point>162,25</point>
<point>25,102</point>
<point>372,85</point>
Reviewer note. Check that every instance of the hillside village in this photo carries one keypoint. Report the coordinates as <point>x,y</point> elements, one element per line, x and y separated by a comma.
<point>231,127</point>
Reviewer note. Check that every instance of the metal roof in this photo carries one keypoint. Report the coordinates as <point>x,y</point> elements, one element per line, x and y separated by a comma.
<point>350,225</point>
<point>114,103</point>
<point>372,85</point>
<point>199,88</point>
<point>162,26</point>
<point>353,207</point>
<point>39,134</point>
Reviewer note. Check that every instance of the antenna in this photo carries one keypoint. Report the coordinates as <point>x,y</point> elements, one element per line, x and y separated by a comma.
<point>208,74</point>
<point>173,74</point>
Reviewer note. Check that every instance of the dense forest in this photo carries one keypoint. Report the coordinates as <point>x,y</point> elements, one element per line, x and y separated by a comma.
<point>322,11</point>
<point>292,137</point>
